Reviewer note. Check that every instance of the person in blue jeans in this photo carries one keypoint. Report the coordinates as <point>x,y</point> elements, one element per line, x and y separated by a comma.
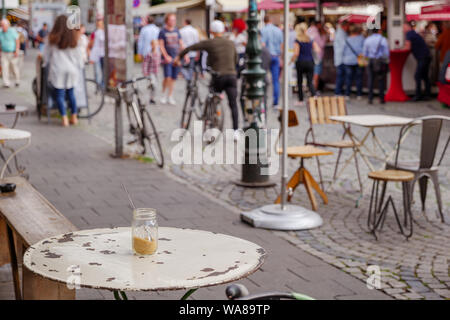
<point>63,57</point>
<point>339,45</point>
<point>171,45</point>
<point>272,39</point>
<point>353,48</point>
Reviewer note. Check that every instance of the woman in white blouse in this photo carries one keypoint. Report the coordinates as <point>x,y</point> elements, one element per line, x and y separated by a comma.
<point>63,56</point>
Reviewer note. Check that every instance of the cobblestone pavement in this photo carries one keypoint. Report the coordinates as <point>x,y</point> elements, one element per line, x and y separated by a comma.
<point>414,269</point>
<point>73,170</point>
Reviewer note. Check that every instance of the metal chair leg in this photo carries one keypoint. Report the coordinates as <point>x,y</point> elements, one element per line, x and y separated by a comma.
<point>423,184</point>
<point>337,164</point>
<point>407,209</point>
<point>437,188</point>
<point>320,172</point>
<point>371,219</point>
<point>359,175</point>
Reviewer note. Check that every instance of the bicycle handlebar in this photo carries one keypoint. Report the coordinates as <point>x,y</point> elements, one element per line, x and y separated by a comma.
<point>125,83</point>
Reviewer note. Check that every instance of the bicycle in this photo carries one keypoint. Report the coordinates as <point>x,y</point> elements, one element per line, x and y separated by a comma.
<point>95,97</point>
<point>192,102</point>
<point>142,126</point>
<point>210,111</point>
<point>240,292</point>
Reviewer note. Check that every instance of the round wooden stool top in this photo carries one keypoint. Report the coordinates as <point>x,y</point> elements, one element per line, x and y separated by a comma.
<point>392,175</point>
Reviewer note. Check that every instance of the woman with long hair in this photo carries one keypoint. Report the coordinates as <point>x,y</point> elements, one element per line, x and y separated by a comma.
<point>304,61</point>
<point>64,58</point>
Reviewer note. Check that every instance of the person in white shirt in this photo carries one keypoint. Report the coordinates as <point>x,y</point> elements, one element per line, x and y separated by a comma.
<point>84,44</point>
<point>97,52</point>
<point>63,57</point>
<point>190,36</point>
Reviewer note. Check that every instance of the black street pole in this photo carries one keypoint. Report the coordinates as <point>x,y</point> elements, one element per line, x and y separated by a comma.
<point>254,77</point>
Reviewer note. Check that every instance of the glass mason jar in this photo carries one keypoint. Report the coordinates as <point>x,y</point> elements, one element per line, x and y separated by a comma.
<point>144,232</point>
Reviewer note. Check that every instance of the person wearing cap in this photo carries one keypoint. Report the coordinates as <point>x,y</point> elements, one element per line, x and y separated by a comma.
<point>222,58</point>
<point>420,51</point>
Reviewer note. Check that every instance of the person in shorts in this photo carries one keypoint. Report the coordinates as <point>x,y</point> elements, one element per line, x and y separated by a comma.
<point>150,67</point>
<point>171,44</point>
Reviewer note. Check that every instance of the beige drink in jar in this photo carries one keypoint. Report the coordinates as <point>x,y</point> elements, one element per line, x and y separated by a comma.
<point>144,232</point>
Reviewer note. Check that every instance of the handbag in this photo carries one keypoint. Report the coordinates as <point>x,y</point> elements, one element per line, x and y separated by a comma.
<point>362,60</point>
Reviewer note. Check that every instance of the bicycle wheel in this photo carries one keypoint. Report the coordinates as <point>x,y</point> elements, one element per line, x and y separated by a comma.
<point>217,113</point>
<point>197,106</point>
<point>96,99</point>
<point>134,127</point>
<point>187,111</point>
<point>151,139</point>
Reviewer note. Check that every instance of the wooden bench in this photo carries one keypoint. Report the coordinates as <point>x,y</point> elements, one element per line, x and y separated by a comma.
<point>26,218</point>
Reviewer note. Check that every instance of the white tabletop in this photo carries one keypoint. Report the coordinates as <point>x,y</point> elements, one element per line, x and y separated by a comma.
<point>13,134</point>
<point>17,109</point>
<point>103,259</point>
<point>373,120</point>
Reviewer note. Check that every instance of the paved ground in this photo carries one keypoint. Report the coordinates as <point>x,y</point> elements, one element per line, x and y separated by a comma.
<point>415,269</point>
<point>72,168</point>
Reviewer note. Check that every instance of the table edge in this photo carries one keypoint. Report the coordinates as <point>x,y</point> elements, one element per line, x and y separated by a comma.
<point>26,256</point>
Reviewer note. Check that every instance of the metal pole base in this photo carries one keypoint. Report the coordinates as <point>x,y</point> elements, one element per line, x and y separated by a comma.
<point>266,184</point>
<point>120,156</point>
<point>274,218</point>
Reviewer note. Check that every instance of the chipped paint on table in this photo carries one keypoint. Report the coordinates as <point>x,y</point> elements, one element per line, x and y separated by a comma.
<point>103,259</point>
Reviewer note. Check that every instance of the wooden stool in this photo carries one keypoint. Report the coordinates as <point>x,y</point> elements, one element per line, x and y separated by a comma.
<point>304,176</point>
<point>379,208</point>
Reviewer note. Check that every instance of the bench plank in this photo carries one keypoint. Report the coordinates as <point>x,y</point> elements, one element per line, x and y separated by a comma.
<point>31,216</point>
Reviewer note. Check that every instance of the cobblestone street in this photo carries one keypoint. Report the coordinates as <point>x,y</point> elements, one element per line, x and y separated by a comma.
<point>73,170</point>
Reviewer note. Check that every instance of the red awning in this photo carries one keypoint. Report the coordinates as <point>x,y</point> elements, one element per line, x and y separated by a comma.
<point>440,12</point>
<point>277,5</point>
<point>355,18</point>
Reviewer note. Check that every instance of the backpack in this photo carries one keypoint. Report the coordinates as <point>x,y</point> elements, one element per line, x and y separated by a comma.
<point>379,65</point>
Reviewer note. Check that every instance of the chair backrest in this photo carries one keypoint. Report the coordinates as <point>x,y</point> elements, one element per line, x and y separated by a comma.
<point>322,108</point>
<point>431,134</point>
<point>292,118</point>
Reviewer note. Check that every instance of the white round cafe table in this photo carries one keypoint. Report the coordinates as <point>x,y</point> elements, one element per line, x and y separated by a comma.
<point>7,135</point>
<point>103,259</point>
<point>17,111</point>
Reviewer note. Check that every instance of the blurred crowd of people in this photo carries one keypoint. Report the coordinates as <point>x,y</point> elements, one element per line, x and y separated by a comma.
<point>357,51</point>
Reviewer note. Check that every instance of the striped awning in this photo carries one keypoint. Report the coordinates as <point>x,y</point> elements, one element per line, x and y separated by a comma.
<point>172,7</point>
<point>20,13</point>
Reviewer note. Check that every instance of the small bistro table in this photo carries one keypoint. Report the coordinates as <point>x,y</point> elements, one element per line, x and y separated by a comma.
<point>371,122</point>
<point>17,111</point>
<point>8,135</point>
<point>103,259</point>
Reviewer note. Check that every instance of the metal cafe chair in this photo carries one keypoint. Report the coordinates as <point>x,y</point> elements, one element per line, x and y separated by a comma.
<point>302,175</point>
<point>320,109</point>
<point>425,167</point>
